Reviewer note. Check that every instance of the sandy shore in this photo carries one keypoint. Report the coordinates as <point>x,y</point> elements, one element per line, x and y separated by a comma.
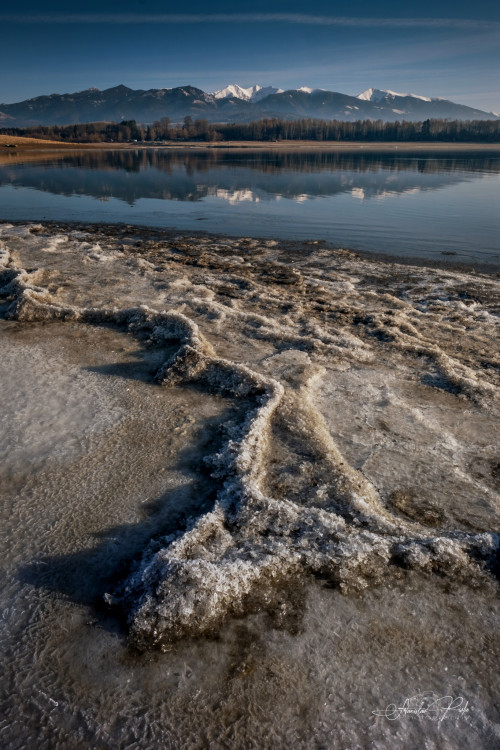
<point>251,491</point>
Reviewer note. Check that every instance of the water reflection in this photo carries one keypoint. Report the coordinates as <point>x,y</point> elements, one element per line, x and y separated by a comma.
<point>399,203</point>
<point>245,176</point>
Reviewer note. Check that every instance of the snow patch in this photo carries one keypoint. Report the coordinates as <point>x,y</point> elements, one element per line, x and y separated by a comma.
<point>251,94</point>
<point>378,95</point>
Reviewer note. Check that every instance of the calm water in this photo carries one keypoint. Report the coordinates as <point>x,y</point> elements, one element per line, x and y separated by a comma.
<point>428,206</point>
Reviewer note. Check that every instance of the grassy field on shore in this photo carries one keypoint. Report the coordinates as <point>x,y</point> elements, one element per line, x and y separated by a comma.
<point>22,142</point>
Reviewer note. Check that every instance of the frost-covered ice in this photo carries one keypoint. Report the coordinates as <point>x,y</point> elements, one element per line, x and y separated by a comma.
<point>289,416</point>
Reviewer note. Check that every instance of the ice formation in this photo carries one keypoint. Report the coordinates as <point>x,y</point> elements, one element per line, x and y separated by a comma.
<point>329,520</point>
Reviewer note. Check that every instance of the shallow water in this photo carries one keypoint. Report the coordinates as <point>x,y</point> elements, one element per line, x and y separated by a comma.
<point>419,205</point>
<point>256,518</point>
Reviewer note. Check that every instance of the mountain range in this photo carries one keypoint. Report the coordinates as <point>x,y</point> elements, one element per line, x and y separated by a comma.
<point>230,104</point>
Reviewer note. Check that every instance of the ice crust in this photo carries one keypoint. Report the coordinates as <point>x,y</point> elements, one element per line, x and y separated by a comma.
<point>236,557</point>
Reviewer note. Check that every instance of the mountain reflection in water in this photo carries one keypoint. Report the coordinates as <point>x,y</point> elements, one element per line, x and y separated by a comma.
<point>260,192</point>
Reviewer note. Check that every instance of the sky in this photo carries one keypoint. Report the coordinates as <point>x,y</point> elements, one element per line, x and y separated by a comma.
<point>445,48</point>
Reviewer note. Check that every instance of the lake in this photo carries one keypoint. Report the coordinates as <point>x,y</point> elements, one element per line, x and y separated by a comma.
<point>425,205</point>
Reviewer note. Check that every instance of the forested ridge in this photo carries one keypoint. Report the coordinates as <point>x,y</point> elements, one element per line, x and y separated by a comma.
<point>272,130</point>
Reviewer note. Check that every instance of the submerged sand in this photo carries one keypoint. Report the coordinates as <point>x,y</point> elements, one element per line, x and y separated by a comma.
<point>275,463</point>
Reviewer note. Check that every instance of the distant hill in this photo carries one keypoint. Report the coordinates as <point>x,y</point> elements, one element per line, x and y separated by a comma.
<point>231,104</point>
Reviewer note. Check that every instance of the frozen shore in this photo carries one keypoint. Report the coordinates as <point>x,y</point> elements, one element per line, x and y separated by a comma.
<point>309,432</point>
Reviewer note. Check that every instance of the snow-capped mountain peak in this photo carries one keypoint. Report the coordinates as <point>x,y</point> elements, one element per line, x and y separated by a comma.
<point>250,94</point>
<point>238,92</point>
<point>257,92</point>
<point>263,91</point>
<point>377,95</point>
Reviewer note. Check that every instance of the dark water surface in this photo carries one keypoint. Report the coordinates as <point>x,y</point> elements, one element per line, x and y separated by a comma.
<point>422,205</point>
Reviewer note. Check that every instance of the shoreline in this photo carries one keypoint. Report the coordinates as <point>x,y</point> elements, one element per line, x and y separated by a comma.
<point>24,143</point>
<point>293,246</point>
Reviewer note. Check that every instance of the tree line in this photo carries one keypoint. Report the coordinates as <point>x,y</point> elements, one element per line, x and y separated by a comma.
<point>269,129</point>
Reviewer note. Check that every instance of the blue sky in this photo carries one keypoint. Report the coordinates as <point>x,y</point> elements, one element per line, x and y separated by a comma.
<point>448,49</point>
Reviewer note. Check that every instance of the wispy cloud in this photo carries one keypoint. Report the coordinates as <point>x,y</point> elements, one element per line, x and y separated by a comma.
<point>291,18</point>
